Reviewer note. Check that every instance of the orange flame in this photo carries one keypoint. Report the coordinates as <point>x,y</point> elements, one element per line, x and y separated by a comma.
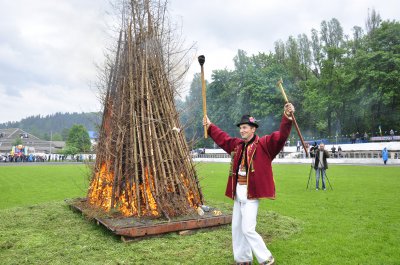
<point>126,207</point>
<point>189,194</point>
<point>127,201</point>
<point>151,200</point>
<point>100,192</point>
<point>101,189</point>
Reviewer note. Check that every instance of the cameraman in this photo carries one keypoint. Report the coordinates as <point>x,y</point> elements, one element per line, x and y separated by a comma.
<point>320,164</point>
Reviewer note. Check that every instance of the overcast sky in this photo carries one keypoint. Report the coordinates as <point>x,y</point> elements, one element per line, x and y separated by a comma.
<point>49,49</point>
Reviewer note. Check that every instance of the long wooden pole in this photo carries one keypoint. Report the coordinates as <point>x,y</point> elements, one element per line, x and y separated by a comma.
<point>294,119</point>
<point>202,59</point>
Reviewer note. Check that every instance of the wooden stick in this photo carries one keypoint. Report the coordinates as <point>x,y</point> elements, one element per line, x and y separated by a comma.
<point>202,59</point>
<point>294,119</point>
<point>132,128</point>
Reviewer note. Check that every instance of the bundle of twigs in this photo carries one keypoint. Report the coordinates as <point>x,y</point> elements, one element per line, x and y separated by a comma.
<point>143,164</point>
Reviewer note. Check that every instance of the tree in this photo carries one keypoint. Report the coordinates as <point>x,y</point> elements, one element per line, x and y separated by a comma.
<point>326,94</point>
<point>78,139</point>
<point>70,150</point>
<point>377,68</point>
<point>316,52</point>
<point>305,55</point>
<point>373,21</point>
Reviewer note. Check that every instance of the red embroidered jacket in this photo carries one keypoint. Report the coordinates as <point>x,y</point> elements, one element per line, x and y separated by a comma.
<point>260,153</point>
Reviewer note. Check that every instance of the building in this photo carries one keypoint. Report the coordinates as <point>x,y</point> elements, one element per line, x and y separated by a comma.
<point>33,143</point>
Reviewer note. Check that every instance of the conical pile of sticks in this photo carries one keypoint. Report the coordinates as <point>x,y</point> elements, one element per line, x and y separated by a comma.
<point>143,165</point>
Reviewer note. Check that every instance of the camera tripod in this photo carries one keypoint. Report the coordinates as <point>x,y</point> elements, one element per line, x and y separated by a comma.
<point>323,172</point>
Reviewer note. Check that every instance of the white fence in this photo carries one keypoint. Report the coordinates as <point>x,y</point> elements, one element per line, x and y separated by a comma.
<point>362,157</point>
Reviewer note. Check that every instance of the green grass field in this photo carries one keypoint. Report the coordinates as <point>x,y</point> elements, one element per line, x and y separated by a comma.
<point>27,185</point>
<point>356,223</point>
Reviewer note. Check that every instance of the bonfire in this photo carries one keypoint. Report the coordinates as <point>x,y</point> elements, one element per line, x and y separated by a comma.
<point>143,165</point>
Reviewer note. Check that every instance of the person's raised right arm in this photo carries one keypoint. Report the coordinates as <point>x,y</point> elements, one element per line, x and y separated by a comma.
<point>221,138</point>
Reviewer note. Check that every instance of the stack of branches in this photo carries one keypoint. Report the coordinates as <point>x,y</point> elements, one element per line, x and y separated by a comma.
<point>143,165</point>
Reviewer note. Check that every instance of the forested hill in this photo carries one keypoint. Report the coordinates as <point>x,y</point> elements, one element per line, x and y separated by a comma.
<point>56,125</point>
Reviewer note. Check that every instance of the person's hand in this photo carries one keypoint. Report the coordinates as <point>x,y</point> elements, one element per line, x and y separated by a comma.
<point>289,109</point>
<point>206,121</point>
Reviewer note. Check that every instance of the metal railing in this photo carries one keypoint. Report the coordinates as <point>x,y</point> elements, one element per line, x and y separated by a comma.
<point>211,156</point>
<point>365,154</point>
<point>343,154</point>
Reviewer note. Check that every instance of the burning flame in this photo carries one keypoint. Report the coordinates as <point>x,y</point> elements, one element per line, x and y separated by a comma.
<point>101,188</point>
<point>189,192</point>
<point>126,207</point>
<point>100,193</point>
<point>151,200</point>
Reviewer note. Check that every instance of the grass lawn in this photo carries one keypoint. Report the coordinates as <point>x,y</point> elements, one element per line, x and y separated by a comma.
<point>32,184</point>
<point>356,223</point>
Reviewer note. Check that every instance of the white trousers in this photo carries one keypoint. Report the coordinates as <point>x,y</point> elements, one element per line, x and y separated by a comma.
<point>245,239</point>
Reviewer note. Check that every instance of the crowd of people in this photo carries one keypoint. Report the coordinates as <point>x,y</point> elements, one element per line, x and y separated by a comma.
<point>45,158</point>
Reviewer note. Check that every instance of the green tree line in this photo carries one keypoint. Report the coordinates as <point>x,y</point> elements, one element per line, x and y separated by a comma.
<point>339,84</point>
<point>55,126</point>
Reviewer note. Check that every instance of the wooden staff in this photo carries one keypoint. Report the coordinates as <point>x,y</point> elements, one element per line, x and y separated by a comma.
<point>203,90</point>
<point>294,119</point>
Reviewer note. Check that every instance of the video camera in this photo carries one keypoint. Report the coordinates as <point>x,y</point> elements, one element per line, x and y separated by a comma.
<point>313,150</point>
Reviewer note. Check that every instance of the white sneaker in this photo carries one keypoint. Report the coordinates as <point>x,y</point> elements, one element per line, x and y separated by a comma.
<point>269,261</point>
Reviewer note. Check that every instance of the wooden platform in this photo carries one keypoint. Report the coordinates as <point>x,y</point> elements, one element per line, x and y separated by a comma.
<point>134,227</point>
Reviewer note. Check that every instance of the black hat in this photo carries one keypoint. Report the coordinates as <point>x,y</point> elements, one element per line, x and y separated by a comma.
<point>247,119</point>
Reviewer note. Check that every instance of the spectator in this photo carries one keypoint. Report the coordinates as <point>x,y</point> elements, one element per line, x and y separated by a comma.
<point>353,138</point>
<point>298,146</point>
<point>385,155</point>
<point>321,165</point>
<point>391,133</point>
<point>339,151</point>
<point>333,150</point>
<point>365,137</point>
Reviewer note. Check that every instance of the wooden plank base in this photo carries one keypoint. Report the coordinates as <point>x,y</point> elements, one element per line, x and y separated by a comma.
<point>133,227</point>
